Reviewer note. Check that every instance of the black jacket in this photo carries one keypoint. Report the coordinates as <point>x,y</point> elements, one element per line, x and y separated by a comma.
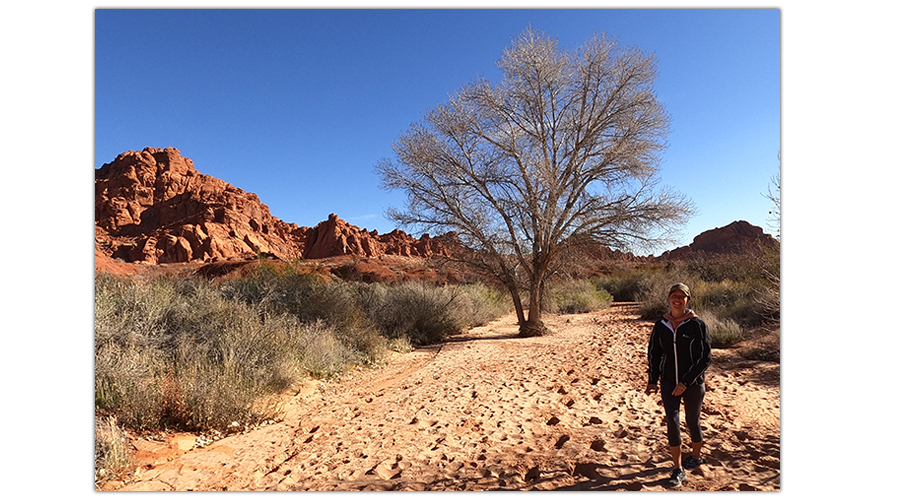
<point>681,356</point>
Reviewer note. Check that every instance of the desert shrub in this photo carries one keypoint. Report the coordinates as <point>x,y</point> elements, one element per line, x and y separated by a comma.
<point>425,314</point>
<point>401,345</point>
<point>197,359</point>
<point>768,299</point>
<point>752,264</point>
<point>335,305</point>
<point>722,332</point>
<point>109,446</point>
<point>575,296</point>
<point>186,353</point>
<point>744,298</point>
<point>275,290</point>
<point>310,300</point>
<point>742,286</point>
<point>131,313</point>
<point>324,355</point>
<point>129,335</point>
<point>128,383</point>
<point>624,286</point>
<point>419,312</point>
<point>477,304</point>
<point>727,299</point>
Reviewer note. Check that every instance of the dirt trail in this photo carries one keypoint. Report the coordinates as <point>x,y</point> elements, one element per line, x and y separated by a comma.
<point>490,411</point>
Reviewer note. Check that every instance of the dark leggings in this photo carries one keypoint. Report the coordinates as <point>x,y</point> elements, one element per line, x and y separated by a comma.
<point>693,400</point>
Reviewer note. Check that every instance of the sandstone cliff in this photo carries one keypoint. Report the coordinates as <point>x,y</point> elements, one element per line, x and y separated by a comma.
<point>154,207</point>
<point>735,237</point>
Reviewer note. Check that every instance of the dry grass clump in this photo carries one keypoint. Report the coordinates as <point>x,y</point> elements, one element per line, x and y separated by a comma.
<point>109,447</point>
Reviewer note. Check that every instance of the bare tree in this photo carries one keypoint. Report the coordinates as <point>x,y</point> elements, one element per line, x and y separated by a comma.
<point>775,198</point>
<point>563,150</point>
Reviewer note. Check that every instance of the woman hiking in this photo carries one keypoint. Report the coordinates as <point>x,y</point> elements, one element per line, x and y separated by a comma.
<point>678,355</point>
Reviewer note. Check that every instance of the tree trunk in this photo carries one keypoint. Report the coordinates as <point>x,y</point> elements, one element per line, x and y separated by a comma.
<point>517,302</point>
<point>534,326</point>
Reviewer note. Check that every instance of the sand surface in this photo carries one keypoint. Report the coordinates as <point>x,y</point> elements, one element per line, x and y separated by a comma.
<point>490,411</point>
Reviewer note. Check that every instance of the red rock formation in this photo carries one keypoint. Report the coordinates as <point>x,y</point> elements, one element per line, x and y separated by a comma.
<point>335,237</point>
<point>735,237</point>
<point>152,206</point>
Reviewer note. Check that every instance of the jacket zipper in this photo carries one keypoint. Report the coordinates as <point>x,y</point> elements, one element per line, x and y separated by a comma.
<point>675,349</point>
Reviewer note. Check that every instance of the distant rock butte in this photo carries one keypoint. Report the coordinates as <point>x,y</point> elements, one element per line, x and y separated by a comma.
<point>735,237</point>
<point>154,207</point>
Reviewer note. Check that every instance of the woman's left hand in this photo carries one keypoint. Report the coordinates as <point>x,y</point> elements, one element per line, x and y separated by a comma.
<point>679,390</point>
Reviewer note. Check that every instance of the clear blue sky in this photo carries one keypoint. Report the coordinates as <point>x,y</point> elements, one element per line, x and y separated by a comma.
<point>297,106</point>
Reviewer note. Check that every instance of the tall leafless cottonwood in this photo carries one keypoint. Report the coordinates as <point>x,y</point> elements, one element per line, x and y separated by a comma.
<point>775,198</point>
<point>564,149</point>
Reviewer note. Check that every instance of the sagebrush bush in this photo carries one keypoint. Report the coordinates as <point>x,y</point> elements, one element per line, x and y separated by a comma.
<point>324,355</point>
<point>310,300</point>
<point>425,314</point>
<point>479,304</point>
<point>728,299</point>
<point>624,286</point>
<point>722,332</point>
<point>418,312</point>
<point>575,296</point>
<point>128,383</point>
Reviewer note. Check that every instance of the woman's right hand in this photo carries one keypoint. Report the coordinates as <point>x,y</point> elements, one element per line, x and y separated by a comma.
<point>651,388</point>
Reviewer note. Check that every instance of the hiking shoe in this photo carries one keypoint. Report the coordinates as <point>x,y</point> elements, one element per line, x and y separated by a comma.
<point>691,462</point>
<point>677,477</point>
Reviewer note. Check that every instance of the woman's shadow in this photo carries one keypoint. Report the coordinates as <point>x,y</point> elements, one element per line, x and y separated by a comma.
<point>599,476</point>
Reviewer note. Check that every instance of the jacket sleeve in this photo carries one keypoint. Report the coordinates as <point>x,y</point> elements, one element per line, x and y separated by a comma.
<point>654,357</point>
<point>701,354</point>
